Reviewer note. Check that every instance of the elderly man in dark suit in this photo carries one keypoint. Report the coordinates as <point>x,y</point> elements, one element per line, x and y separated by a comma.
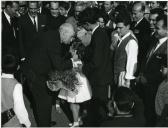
<point>141,29</point>
<point>97,65</point>
<point>9,29</point>
<point>47,57</point>
<point>152,76</point>
<point>54,19</point>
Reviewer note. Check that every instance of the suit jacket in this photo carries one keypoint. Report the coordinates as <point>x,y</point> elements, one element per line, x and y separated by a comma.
<point>9,41</point>
<point>142,33</point>
<point>97,61</point>
<point>153,65</point>
<point>48,54</point>
<point>27,34</point>
<point>54,23</point>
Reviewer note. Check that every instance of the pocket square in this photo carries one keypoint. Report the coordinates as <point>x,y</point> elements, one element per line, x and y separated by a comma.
<point>43,25</point>
<point>158,57</point>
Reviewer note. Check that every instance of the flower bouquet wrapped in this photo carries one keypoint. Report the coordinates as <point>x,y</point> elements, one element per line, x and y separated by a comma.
<point>63,79</point>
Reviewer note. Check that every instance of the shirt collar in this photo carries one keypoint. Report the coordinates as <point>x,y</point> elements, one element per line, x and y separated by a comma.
<point>109,11</point>
<point>7,16</point>
<point>32,17</point>
<point>95,29</point>
<point>162,40</point>
<point>126,35</point>
<point>139,21</point>
<point>4,75</point>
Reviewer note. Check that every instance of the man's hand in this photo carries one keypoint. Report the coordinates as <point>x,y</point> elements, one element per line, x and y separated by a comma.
<point>72,51</point>
<point>58,108</point>
<point>80,66</point>
<point>127,83</point>
<point>75,57</point>
<point>22,59</point>
<point>114,39</point>
<point>143,80</point>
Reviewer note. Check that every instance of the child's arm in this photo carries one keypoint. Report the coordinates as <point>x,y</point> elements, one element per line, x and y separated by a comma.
<point>19,106</point>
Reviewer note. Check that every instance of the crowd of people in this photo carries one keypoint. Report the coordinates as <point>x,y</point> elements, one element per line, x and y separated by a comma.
<point>117,49</point>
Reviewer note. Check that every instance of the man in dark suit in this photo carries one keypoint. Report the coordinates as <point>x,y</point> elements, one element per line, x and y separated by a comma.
<point>9,29</point>
<point>152,76</point>
<point>109,9</point>
<point>154,13</point>
<point>141,29</point>
<point>45,58</point>
<point>97,65</point>
<point>30,25</point>
<point>54,20</point>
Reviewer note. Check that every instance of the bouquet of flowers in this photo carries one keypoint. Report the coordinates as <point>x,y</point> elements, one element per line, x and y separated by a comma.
<point>63,79</point>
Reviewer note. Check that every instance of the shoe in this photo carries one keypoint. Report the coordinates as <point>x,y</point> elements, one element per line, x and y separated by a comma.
<point>74,124</point>
<point>52,123</point>
<point>80,121</point>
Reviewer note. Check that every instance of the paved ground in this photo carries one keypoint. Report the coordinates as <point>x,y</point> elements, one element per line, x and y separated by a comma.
<point>60,118</point>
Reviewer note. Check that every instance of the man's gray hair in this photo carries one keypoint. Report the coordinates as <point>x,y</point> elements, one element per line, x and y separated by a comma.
<point>66,30</point>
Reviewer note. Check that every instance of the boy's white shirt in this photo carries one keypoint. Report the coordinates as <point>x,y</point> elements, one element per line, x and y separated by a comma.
<point>132,53</point>
<point>19,106</point>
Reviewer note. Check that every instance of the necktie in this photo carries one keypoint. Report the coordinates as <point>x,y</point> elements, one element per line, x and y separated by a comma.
<point>12,26</point>
<point>34,21</point>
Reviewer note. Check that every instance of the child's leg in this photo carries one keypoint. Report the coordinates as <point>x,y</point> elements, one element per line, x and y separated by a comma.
<point>75,111</point>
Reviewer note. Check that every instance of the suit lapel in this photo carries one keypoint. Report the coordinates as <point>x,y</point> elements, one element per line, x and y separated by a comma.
<point>160,50</point>
<point>29,21</point>
<point>5,19</point>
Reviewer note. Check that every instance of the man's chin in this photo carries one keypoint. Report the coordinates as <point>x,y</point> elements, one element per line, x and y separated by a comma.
<point>152,28</point>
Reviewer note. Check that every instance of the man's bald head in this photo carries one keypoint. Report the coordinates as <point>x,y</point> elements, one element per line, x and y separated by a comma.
<point>138,11</point>
<point>66,33</point>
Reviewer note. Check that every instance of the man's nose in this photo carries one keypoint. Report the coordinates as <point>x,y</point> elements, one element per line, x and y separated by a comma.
<point>118,29</point>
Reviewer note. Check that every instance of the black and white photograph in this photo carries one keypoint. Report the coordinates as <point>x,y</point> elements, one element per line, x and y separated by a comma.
<point>84,63</point>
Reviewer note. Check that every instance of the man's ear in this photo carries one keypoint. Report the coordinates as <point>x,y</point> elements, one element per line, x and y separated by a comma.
<point>8,7</point>
<point>128,26</point>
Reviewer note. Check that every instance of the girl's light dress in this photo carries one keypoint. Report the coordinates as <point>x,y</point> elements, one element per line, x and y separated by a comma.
<point>84,91</point>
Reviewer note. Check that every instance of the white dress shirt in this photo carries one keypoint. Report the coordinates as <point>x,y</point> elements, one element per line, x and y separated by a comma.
<point>132,53</point>
<point>9,20</point>
<point>7,17</point>
<point>19,106</point>
<point>36,19</point>
<point>138,21</point>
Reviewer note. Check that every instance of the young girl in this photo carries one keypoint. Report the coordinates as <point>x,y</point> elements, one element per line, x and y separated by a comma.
<point>83,94</point>
<point>74,92</point>
<point>13,110</point>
